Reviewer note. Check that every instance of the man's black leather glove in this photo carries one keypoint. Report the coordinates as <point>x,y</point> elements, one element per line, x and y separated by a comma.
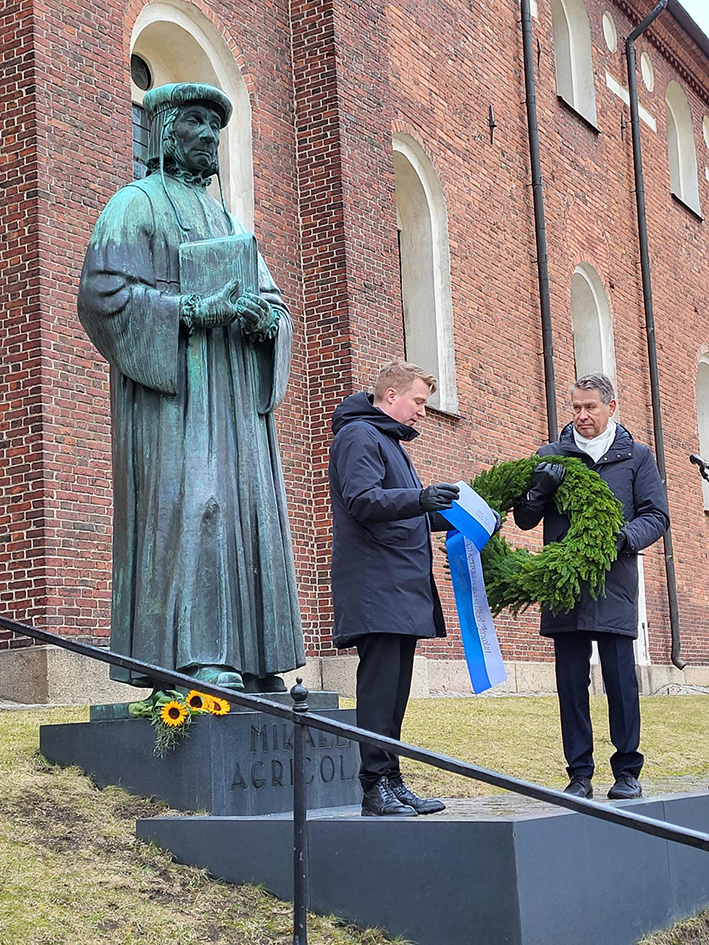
<point>546,479</point>
<point>438,497</point>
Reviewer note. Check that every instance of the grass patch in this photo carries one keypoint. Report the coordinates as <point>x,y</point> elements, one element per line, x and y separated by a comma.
<point>73,873</point>
<point>521,737</point>
<point>692,932</point>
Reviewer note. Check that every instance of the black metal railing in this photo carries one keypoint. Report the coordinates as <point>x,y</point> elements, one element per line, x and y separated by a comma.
<point>300,717</point>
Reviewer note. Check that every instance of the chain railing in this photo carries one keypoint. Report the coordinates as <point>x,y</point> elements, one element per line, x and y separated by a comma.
<point>299,715</point>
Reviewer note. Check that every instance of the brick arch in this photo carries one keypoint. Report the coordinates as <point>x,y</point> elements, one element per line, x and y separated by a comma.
<point>134,7</point>
<point>400,126</point>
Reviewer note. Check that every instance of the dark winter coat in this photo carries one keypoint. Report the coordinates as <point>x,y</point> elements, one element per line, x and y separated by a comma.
<point>382,579</point>
<point>630,470</point>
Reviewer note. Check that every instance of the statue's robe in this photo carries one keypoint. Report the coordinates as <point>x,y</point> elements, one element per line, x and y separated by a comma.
<point>203,568</point>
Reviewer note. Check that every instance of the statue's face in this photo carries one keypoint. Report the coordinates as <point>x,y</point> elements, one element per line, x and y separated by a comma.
<point>196,130</point>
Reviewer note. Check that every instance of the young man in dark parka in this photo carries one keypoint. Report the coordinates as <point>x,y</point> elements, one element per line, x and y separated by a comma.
<point>384,594</point>
<point>612,620</point>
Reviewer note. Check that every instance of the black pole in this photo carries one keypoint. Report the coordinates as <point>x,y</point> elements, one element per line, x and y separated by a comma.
<point>300,820</point>
<point>650,317</point>
<point>539,221</point>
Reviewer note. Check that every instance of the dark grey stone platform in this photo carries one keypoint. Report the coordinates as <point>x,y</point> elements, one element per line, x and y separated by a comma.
<point>238,764</point>
<point>468,876</point>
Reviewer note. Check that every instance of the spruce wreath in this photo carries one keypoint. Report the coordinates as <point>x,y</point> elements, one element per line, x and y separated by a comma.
<point>555,576</point>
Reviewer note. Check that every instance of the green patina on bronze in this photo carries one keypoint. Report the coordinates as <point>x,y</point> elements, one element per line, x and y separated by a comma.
<point>203,571</point>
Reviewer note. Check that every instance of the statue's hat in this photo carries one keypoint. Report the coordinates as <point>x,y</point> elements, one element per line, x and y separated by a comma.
<point>175,94</point>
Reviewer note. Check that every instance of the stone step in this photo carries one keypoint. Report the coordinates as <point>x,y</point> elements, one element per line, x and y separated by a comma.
<point>475,874</point>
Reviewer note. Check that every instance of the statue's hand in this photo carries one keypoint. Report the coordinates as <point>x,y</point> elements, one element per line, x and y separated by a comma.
<point>257,318</point>
<point>212,311</point>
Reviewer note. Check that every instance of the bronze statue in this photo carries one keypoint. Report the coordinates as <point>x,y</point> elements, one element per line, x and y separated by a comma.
<point>203,575</point>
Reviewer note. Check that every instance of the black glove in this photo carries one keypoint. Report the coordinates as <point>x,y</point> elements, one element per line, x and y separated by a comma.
<point>621,542</point>
<point>546,479</point>
<point>438,497</point>
<point>498,522</point>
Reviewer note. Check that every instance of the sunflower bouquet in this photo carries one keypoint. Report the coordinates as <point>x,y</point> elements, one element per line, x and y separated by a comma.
<point>171,713</point>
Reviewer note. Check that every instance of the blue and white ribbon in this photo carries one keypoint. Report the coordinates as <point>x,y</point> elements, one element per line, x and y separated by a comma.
<point>474,523</point>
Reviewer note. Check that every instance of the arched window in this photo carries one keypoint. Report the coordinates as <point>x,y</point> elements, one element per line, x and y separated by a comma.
<point>425,268</point>
<point>684,182</point>
<point>177,43</point>
<point>703,416</point>
<point>572,54</point>
<point>592,324</point>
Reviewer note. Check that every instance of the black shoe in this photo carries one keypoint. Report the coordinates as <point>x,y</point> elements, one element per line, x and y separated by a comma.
<point>579,786</point>
<point>626,787</point>
<point>379,801</point>
<point>422,805</point>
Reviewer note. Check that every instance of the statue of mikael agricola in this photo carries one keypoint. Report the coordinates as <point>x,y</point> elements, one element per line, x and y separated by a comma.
<point>176,297</point>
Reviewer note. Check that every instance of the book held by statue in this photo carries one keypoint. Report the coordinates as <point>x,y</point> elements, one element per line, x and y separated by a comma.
<point>207,265</point>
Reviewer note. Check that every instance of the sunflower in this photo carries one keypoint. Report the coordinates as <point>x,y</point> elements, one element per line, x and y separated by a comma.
<point>218,706</point>
<point>173,713</point>
<point>197,700</point>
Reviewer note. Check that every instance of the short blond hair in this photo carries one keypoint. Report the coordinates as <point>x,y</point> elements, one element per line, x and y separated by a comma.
<point>400,375</point>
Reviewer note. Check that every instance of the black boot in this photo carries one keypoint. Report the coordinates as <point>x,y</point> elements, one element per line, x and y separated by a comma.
<point>579,786</point>
<point>422,805</point>
<point>625,788</point>
<point>379,801</point>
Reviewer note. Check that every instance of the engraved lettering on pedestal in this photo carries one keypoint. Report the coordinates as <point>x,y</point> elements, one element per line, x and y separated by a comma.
<point>309,763</point>
<point>271,739</point>
<point>259,735</point>
<point>327,768</point>
<point>352,766</point>
<point>276,773</point>
<point>257,781</point>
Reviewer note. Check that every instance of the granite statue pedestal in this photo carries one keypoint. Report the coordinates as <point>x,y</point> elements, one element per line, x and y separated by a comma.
<point>235,765</point>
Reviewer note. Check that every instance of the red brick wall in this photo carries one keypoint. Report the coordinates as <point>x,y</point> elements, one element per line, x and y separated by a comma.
<point>22,560</point>
<point>70,162</point>
<point>324,269</point>
<point>330,82</point>
<point>432,71</point>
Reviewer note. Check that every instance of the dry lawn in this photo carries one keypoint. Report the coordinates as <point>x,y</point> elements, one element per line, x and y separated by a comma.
<point>72,872</point>
<point>521,737</point>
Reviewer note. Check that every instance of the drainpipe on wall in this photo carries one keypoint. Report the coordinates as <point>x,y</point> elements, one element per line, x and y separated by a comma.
<point>539,222</point>
<point>650,317</point>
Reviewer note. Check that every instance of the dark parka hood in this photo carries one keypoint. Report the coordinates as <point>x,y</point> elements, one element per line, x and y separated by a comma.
<point>360,406</point>
<point>382,580</point>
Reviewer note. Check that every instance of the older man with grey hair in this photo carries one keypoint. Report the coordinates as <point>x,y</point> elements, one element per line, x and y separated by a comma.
<point>612,620</point>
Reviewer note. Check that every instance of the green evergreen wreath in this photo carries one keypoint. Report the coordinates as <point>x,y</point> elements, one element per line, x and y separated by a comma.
<point>556,575</point>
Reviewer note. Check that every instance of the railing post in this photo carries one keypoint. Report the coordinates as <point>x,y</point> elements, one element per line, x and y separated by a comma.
<point>301,864</point>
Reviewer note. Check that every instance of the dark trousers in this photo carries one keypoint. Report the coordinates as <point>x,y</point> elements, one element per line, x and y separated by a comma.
<point>573,677</point>
<point>386,664</point>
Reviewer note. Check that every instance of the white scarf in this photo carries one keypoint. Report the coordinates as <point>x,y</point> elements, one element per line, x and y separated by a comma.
<point>597,446</point>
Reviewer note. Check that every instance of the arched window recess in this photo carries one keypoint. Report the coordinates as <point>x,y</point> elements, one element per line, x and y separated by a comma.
<point>424,259</point>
